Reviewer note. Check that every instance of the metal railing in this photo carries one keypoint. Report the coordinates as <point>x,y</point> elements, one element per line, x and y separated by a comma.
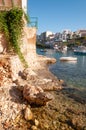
<point>33,22</point>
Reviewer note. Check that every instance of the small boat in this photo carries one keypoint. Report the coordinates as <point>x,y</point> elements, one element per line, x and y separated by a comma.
<point>56,47</point>
<point>81,50</point>
<point>43,50</point>
<point>62,49</point>
<point>68,58</point>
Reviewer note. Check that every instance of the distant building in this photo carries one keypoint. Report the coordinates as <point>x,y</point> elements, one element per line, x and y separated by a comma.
<point>58,37</point>
<point>48,33</point>
<point>66,34</point>
<point>45,36</point>
<point>8,4</point>
<point>81,33</point>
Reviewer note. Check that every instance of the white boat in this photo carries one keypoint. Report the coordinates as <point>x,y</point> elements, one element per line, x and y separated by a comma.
<point>64,49</point>
<point>56,47</point>
<point>43,50</point>
<point>60,48</point>
<point>68,58</point>
<point>81,50</point>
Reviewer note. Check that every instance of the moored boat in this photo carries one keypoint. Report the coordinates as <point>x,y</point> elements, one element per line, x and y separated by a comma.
<point>68,58</point>
<point>60,48</point>
<point>43,50</point>
<point>81,50</point>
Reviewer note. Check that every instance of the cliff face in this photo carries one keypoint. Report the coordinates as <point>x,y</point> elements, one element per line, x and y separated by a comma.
<point>20,86</point>
<point>28,48</point>
<point>3,43</point>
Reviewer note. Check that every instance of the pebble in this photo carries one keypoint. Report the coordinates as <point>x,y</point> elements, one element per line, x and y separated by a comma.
<point>36,122</point>
<point>28,114</point>
<point>34,127</point>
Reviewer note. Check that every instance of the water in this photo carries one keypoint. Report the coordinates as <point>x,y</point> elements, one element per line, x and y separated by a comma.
<point>73,73</point>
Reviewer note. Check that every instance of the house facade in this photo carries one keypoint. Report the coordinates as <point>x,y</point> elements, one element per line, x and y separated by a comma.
<point>66,34</point>
<point>81,33</point>
<point>45,36</point>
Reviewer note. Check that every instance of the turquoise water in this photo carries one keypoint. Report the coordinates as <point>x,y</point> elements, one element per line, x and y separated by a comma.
<point>74,73</point>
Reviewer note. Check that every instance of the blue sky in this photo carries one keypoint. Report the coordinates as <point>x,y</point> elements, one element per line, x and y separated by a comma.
<point>57,15</point>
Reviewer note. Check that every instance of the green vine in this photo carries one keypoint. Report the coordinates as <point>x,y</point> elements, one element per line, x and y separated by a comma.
<point>12,2</point>
<point>3,2</point>
<point>11,23</point>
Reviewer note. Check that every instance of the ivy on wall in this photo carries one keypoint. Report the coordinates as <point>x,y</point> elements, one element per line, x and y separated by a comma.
<point>12,2</point>
<point>3,2</point>
<point>11,23</point>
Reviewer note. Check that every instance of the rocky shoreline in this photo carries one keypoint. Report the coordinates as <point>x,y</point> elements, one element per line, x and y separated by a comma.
<point>38,111</point>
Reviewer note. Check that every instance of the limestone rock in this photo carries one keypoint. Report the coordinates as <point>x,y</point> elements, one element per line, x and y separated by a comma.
<point>50,60</point>
<point>20,84</point>
<point>1,48</point>
<point>28,74</point>
<point>28,114</point>
<point>36,95</point>
<point>36,122</point>
<point>43,98</point>
<point>33,127</point>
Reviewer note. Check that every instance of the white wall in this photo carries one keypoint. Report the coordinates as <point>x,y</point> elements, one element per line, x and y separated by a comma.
<point>24,5</point>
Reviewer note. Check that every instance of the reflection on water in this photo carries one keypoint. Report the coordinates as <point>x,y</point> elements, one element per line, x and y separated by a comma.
<point>70,61</point>
<point>74,73</point>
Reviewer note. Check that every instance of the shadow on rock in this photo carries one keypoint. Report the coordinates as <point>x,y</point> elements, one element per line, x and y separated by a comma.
<point>16,94</point>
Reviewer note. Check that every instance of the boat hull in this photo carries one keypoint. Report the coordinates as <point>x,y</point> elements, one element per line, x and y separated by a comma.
<point>81,50</point>
<point>79,53</point>
<point>68,59</point>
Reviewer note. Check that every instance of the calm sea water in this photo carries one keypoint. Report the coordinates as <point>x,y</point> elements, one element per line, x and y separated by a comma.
<point>74,73</point>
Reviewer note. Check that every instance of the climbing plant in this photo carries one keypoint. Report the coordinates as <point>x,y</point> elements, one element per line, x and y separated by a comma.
<point>12,2</point>
<point>3,2</point>
<point>12,23</point>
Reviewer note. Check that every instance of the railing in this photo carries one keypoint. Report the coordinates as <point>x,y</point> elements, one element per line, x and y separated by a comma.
<point>33,22</point>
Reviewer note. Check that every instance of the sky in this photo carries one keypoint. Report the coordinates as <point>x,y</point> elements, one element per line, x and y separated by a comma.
<point>58,15</point>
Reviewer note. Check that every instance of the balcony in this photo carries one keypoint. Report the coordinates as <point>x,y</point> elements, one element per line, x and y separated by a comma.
<point>33,22</point>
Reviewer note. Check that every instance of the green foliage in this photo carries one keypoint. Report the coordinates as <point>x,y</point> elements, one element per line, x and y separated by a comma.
<point>12,2</point>
<point>42,45</point>
<point>3,2</point>
<point>27,18</point>
<point>11,23</point>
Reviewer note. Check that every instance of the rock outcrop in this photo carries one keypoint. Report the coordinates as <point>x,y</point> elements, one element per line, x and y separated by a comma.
<point>20,86</point>
<point>36,95</point>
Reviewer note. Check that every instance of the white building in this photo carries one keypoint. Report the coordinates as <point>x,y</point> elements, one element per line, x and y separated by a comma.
<point>81,33</point>
<point>45,35</point>
<point>66,34</point>
<point>48,33</point>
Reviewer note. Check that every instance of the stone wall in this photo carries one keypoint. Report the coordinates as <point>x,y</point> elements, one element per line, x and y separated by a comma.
<point>28,48</point>
<point>28,41</point>
<point>3,43</point>
<point>10,3</point>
